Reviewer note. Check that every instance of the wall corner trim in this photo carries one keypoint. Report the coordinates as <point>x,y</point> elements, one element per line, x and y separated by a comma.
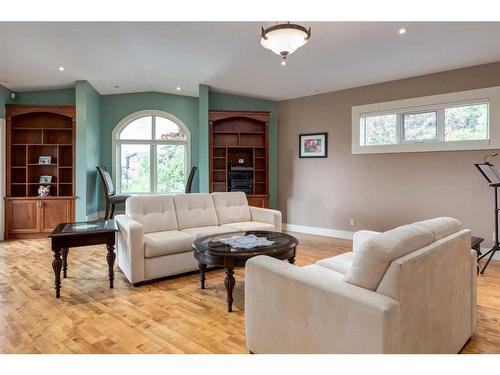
<point>327,232</point>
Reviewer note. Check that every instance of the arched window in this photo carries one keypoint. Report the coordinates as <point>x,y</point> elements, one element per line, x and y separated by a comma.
<point>151,153</point>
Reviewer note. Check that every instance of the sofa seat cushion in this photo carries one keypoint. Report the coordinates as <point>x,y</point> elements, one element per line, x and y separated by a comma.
<point>341,263</point>
<point>376,254</point>
<point>318,270</point>
<point>167,242</point>
<point>250,225</point>
<point>207,231</point>
<point>441,227</point>
<point>231,207</point>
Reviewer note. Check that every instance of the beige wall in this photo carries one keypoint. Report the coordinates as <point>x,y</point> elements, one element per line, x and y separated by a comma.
<point>385,190</point>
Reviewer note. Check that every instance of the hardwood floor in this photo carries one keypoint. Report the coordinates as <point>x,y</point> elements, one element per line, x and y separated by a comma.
<point>171,316</point>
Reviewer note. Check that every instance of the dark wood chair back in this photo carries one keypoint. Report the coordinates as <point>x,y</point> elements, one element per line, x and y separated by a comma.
<point>189,182</point>
<point>107,181</point>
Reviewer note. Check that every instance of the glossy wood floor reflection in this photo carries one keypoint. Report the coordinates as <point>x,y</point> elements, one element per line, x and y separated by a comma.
<point>171,316</point>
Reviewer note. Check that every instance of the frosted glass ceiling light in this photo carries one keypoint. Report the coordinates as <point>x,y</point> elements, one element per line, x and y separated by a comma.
<point>285,38</point>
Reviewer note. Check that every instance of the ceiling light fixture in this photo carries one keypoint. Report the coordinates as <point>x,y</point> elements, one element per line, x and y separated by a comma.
<point>178,88</point>
<point>61,68</point>
<point>284,38</point>
<point>402,31</point>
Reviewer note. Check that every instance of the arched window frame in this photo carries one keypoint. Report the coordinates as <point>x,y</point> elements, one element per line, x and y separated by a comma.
<point>116,146</point>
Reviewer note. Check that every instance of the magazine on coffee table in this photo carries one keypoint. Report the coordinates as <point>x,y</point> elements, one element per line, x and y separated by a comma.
<point>250,241</point>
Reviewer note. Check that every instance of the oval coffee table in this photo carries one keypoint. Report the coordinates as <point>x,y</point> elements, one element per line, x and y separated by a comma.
<point>209,251</point>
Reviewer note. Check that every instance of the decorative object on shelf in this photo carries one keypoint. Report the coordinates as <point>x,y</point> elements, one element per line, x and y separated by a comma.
<point>45,179</point>
<point>314,145</point>
<point>44,190</point>
<point>45,160</point>
<point>284,39</point>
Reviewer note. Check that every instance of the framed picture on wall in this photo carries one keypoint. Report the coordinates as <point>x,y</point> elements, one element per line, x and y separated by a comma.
<point>313,145</point>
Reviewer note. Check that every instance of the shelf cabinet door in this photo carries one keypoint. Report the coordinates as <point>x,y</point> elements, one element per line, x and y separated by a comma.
<point>22,216</point>
<point>53,213</point>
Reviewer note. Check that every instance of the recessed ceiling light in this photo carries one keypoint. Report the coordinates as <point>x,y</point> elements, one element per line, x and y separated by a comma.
<point>116,86</point>
<point>402,31</point>
<point>178,88</point>
<point>61,68</point>
<point>283,63</point>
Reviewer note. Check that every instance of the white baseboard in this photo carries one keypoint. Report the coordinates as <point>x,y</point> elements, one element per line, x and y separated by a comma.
<point>336,233</point>
<point>484,250</point>
<point>100,215</point>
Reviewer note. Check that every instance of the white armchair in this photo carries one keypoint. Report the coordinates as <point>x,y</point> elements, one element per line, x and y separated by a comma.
<point>408,290</point>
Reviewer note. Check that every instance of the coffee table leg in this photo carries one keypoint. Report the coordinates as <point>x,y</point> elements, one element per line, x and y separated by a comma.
<point>56,266</point>
<point>203,268</point>
<point>291,260</point>
<point>111,261</point>
<point>229,282</point>
<point>65,252</point>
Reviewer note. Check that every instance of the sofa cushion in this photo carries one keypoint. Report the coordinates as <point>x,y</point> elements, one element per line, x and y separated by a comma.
<point>441,226</point>
<point>376,254</point>
<point>156,213</point>
<point>195,210</point>
<point>167,242</point>
<point>250,225</point>
<point>207,231</point>
<point>341,263</point>
<point>231,207</point>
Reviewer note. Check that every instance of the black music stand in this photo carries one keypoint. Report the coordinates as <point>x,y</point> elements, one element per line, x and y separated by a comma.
<point>493,177</point>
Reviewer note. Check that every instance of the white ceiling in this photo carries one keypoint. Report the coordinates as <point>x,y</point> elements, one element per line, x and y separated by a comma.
<point>228,56</point>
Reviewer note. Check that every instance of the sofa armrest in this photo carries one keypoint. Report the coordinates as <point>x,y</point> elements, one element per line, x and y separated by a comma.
<point>130,248</point>
<point>311,310</point>
<point>361,237</point>
<point>268,216</point>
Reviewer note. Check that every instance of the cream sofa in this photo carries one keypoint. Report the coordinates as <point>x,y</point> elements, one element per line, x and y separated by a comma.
<point>408,290</point>
<point>157,231</point>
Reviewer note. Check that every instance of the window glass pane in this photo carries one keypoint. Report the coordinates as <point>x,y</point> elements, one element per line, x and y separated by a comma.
<point>168,130</point>
<point>420,126</point>
<point>380,130</point>
<point>140,128</point>
<point>170,168</point>
<point>466,123</point>
<point>135,173</point>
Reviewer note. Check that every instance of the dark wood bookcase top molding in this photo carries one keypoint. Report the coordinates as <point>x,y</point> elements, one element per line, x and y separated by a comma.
<point>240,134</point>
<point>33,131</point>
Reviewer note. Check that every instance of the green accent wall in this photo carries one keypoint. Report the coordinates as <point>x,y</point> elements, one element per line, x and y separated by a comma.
<point>203,165</point>
<point>46,97</point>
<point>117,106</point>
<point>219,101</point>
<point>88,150</point>
<point>4,99</point>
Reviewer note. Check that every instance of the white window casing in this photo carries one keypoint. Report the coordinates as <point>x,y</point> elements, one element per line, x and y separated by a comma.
<point>433,103</point>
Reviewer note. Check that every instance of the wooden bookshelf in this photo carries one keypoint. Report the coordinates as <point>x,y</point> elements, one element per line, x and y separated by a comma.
<point>34,131</point>
<point>235,135</point>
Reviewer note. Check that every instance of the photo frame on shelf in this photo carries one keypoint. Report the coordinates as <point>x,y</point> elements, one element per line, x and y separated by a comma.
<point>45,160</point>
<point>45,179</point>
<point>313,145</point>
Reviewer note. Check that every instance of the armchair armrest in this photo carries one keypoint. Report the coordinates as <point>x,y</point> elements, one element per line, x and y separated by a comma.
<point>268,216</point>
<point>361,237</point>
<point>311,310</point>
<point>130,248</point>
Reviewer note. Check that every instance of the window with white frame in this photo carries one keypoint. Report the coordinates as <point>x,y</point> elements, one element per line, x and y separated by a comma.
<point>152,153</point>
<point>442,123</point>
<point>455,121</point>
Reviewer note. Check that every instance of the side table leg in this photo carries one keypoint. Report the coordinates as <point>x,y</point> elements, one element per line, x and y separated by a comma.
<point>111,261</point>
<point>229,283</point>
<point>203,268</point>
<point>56,266</point>
<point>65,252</point>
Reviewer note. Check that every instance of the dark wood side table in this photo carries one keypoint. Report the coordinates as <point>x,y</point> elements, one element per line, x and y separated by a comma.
<point>66,235</point>
<point>209,251</point>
